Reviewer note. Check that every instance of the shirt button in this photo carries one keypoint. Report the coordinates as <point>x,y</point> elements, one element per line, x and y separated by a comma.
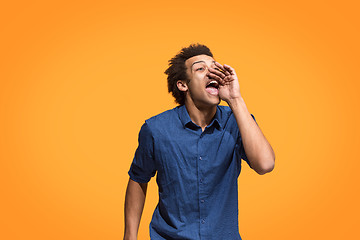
<point>201,180</point>
<point>202,221</point>
<point>202,200</point>
<point>200,158</point>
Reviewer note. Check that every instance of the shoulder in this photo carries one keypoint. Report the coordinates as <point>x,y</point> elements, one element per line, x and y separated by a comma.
<point>163,117</point>
<point>227,116</point>
<point>225,111</point>
<point>163,120</point>
<point>224,114</point>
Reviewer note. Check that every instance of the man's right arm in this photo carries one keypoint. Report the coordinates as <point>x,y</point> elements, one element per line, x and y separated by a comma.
<point>134,205</point>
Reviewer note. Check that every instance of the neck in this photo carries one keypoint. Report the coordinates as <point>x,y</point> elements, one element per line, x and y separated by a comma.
<point>201,116</point>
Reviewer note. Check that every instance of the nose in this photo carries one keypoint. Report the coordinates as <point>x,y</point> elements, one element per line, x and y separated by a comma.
<point>212,65</point>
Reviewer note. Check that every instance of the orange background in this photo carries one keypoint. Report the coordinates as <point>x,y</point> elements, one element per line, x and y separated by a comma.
<point>78,79</point>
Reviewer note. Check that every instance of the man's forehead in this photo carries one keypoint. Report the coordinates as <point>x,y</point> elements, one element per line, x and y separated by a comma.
<point>199,59</point>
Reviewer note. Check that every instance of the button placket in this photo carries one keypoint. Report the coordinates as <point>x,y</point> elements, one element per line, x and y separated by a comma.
<point>202,182</point>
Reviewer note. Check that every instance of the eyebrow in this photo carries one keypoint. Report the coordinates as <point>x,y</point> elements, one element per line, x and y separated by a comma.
<point>199,62</point>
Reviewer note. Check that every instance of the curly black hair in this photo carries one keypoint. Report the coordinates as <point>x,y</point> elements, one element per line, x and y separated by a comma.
<point>177,69</point>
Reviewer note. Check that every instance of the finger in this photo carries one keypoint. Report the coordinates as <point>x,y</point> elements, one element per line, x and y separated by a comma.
<point>229,79</point>
<point>222,68</point>
<point>216,77</point>
<point>229,69</point>
<point>217,72</point>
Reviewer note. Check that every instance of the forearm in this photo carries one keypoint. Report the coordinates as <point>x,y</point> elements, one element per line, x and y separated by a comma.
<point>258,150</point>
<point>134,205</point>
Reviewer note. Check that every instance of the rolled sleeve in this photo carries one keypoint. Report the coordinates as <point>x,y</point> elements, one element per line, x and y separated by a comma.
<point>143,165</point>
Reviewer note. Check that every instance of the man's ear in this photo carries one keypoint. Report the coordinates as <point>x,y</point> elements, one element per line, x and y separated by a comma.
<point>182,85</point>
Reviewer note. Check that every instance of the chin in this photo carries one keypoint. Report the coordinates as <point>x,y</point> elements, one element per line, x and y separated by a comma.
<point>205,101</point>
<point>214,102</point>
<point>217,100</point>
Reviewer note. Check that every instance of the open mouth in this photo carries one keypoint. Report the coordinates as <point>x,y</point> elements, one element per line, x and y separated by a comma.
<point>213,84</point>
<point>212,87</point>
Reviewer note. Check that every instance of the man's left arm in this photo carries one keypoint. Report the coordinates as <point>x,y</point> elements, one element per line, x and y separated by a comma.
<point>257,149</point>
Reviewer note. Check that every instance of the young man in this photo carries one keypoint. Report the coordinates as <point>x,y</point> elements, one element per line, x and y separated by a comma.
<point>196,150</point>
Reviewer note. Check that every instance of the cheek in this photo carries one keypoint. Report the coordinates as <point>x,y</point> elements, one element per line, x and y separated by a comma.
<point>196,87</point>
<point>197,93</point>
<point>198,81</point>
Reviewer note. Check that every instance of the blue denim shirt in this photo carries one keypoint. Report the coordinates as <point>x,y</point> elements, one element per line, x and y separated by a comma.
<point>197,174</point>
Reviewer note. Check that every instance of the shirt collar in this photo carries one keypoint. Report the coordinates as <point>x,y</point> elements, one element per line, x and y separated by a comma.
<point>186,120</point>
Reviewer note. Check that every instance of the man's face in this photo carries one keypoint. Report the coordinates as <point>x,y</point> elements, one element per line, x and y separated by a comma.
<point>202,90</point>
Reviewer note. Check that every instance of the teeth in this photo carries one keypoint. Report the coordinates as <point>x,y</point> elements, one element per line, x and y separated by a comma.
<point>213,82</point>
